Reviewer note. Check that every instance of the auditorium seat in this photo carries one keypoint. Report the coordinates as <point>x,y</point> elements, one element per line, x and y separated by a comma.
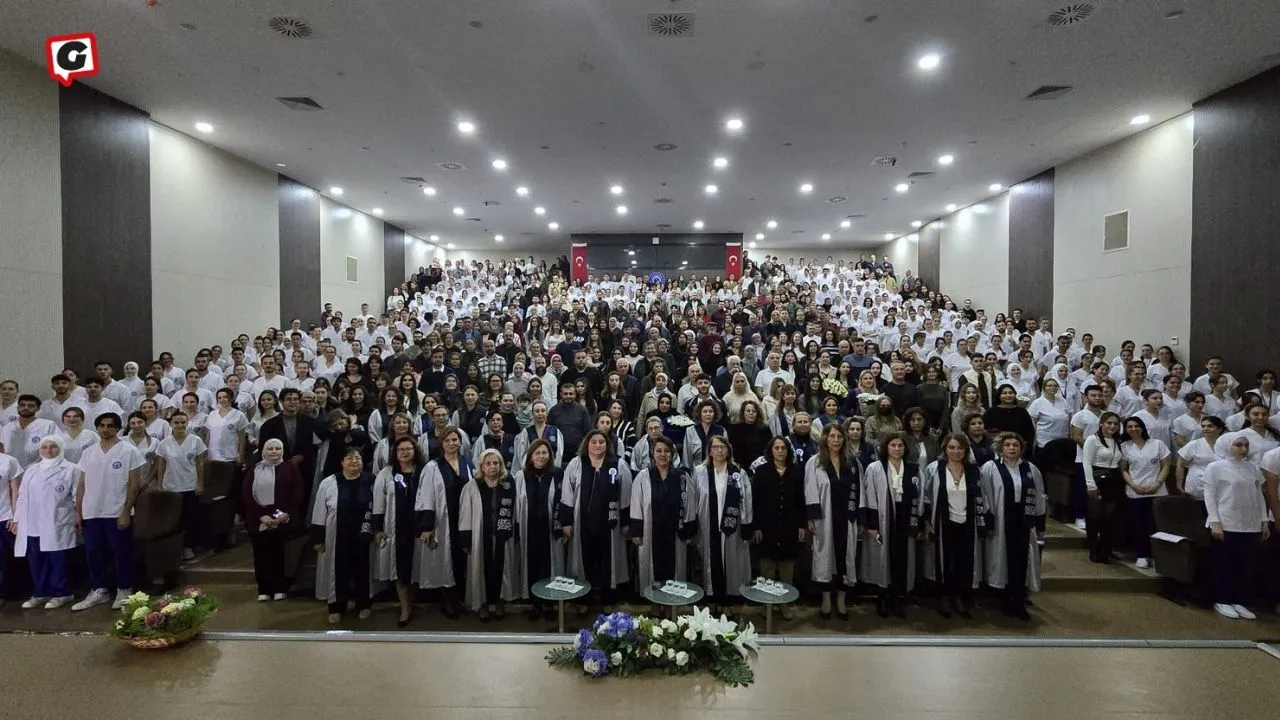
<point>219,511</point>
<point>1184,561</point>
<point>157,533</point>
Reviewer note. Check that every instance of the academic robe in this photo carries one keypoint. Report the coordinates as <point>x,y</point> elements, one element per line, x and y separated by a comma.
<point>693,450</point>
<point>325,514</point>
<point>387,496</point>
<point>882,513</point>
<point>570,511</point>
<point>471,531</point>
<point>993,493</point>
<point>734,557</point>
<point>525,438</point>
<point>681,525</point>
<point>937,510</point>
<point>828,538</point>
<point>544,552</point>
<point>642,456</point>
<point>432,512</point>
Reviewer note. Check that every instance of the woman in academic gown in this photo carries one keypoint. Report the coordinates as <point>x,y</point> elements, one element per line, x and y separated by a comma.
<point>542,537</point>
<point>44,524</point>
<point>595,499</point>
<point>395,491</point>
<point>704,427</point>
<point>832,489</point>
<point>662,517</point>
<point>539,430</point>
<point>724,517</point>
<point>891,509</point>
<point>642,452</point>
<point>491,518</point>
<point>400,426</point>
<point>957,519</point>
<point>443,565</point>
<point>342,533</point>
<point>1013,490</point>
<point>494,437</point>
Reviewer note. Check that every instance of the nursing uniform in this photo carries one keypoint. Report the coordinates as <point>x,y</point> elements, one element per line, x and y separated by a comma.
<point>1197,456</point>
<point>9,469</point>
<point>23,444</point>
<point>106,489</point>
<point>1144,471</point>
<point>180,476</point>
<point>73,447</point>
<point>663,516</point>
<point>724,517</point>
<point>1233,497</point>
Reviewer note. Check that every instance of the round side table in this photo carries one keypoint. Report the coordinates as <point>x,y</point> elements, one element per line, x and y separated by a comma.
<point>768,600</point>
<point>559,597</point>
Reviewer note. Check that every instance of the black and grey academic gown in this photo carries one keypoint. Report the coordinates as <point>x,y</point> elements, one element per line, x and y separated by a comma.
<point>832,500</point>
<point>542,534</point>
<point>433,514</point>
<point>694,449</point>
<point>394,495</point>
<point>453,483</point>
<point>724,526</point>
<point>891,563</point>
<point>596,502</point>
<point>642,457</point>
<point>1015,498</point>
<point>664,517</point>
<point>937,492</point>
<point>505,446</point>
<point>525,438</point>
<point>489,526</point>
<point>342,511</point>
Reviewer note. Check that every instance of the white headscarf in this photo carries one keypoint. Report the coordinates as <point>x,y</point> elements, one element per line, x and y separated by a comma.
<point>264,475</point>
<point>47,463</point>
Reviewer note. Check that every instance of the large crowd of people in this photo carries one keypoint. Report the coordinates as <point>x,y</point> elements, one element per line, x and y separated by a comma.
<point>824,423</point>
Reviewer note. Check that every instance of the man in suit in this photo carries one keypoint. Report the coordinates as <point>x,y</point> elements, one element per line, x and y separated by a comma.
<point>981,377</point>
<point>296,431</point>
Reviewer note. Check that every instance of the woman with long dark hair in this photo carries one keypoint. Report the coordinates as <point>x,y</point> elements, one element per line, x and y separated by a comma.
<point>1145,468</point>
<point>1014,493</point>
<point>595,499</point>
<point>957,519</point>
<point>891,509</point>
<point>1105,485</point>
<point>749,434</point>
<point>779,507</point>
<point>832,496</point>
<point>398,550</point>
<point>543,540</point>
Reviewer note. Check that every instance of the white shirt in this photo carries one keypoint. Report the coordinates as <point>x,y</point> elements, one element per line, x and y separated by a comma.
<point>106,478</point>
<point>180,461</point>
<point>765,377</point>
<point>1233,495</point>
<point>1087,422</point>
<point>275,384</point>
<point>957,496</point>
<point>1196,455</point>
<point>1053,419</point>
<point>94,409</point>
<point>9,413</point>
<point>204,404</point>
<point>1144,466</point>
<point>23,444</point>
<point>73,448</point>
<point>1098,455</point>
<point>1157,428</point>
<point>1186,426</point>
<point>1259,445</point>
<point>9,469</point>
<point>52,408</point>
<point>223,434</point>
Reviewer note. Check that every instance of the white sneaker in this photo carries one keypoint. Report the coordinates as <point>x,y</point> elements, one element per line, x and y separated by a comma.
<point>1227,611</point>
<point>187,554</point>
<point>34,602</point>
<point>94,598</point>
<point>1143,563</point>
<point>122,595</point>
<point>280,596</point>
<point>263,598</point>
<point>1244,612</point>
<point>365,613</point>
<point>55,603</point>
<point>1081,525</point>
<point>334,618</point>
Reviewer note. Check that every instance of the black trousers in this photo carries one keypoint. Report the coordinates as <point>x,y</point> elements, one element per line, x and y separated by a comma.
<point>957,559</point>
<point>193,523</point>
<point>351,567</point>
<point>1234,559</point>
<point>1105,513</point>
<point>268,562</point>
<point>1017,551</point>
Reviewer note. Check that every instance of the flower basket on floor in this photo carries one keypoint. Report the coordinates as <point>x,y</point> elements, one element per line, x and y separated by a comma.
<point>623,645</point>
<point>155,622</point>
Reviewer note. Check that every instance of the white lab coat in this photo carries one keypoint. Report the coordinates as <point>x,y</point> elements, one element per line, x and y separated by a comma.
<point>46,507</point>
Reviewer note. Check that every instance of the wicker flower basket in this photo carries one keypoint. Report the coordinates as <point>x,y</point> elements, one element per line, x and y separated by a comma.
<point>160,643</point>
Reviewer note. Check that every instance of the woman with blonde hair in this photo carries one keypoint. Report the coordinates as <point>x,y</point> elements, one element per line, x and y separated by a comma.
<point>491,515</point>
<point>832,492</point>
<point>739,392</point>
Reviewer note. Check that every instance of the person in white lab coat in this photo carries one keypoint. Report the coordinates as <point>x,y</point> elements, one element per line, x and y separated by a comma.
<point>45,524</point>
<point>1238,523</point>
<point>21,438</point>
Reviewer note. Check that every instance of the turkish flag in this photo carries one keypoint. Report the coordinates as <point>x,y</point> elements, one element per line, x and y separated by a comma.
<point>578,262</point>
<point>733,261</point>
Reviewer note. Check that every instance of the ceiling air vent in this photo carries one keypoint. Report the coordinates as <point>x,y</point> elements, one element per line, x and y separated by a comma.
<point>857,216</point>
<point>919,174</point>
<point>291,27</point>
<point>414,180</point>
<point>302,104</point>
<point>674,24</point>
<point>451,166</point>
<point>837,199</point>
<point>664,226</point>
<point>885,161</point>
<point>662,201</point>
<point>490,203</point>
<point>1049,92</point>
<point>664,147</point>
<point>1071,14</point>
<point>797,232</point>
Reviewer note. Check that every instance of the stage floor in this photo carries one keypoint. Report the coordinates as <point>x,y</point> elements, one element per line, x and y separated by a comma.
<point>72,677</point>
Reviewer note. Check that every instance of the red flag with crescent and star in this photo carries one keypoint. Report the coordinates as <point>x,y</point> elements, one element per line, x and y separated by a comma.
<point>733,261</point>
<point>578,262</point>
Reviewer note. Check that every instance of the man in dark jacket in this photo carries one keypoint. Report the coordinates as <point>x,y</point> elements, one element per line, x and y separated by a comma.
<point>572,419</point>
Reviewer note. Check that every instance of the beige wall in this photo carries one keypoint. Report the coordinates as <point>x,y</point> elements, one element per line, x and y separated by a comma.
<point>973,254</point>
<point>345,232</point>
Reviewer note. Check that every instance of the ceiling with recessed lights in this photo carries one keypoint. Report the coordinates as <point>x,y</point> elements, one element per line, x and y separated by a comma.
<point>840,121</point>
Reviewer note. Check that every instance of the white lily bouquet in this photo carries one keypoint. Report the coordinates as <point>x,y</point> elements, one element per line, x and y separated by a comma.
<point>834,387</point>
<point>681,421</point>
<point>623,645</point>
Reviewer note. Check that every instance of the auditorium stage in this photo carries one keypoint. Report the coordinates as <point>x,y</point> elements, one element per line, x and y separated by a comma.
<point>47,676</point>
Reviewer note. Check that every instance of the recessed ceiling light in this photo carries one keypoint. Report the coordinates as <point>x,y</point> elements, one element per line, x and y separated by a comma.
<point>450,246</point>
<point>929,61</point>
<point>733,124</point>
<point>459,211</point>
<point>759,236</point>
<point>539,210</point>
<point>698,224</point>
<point>434,238</point>
<point>916,223</point>
<point>826,236</point>
<point>1140,120</point>
<point>466,128</point>
<point>771,224</point>
<point>522,191</point>
<point>846,224</point>
<point>553,226</point>
<point>901,187</point>
<point>946,159</point>
<point>499,164</point>
<point>806,188</point>
<point>616,190</point>
<point>631,252</point>
<point>281,165</point>
<point>204,127</point>
<point>633,262</point>
<point>377,212</point>
<point>621,209</point>
<point>751,245</point>
<point>888,236</point>
<point>429,191</point>
<point>335,191</point>
<point>711,189</point>
<point>952,207</point>
<point>720,163</point>
<point>684,262</point>
<point>995,187</point>
<point>498,238</point>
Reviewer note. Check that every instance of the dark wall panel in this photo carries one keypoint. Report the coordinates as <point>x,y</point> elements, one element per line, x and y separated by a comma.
<point>392,257</point>
<point>1235,311</point>
<point>106,229</point>
<point>300,253</point>
<point>1031,245</point>
<point>930,252</point>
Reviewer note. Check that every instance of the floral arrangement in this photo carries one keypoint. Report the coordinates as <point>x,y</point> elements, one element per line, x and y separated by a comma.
<point>682,421</point>
<point>623,645</point>
<point>147,617</point>
<point>834,387</point>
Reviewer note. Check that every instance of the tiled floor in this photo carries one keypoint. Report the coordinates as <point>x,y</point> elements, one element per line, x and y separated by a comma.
<point>74,677</point>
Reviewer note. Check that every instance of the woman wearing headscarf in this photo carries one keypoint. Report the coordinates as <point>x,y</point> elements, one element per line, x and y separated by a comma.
<point>832,496</point>
<point>1237,522</point>
<point>342,533</point>
<point>662,516</point>
<point>44,524</point>
<point>542,538</point>
<point>395,490</point>
<point>491,519</point>
<point>272,497</point>
<point>724,517</point>
<point>1014,493</point>
<point>443,565</point>
<point>892,503</point>
<point>1024,385</point>
<point>595,499</point>
<point>957,521</point>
